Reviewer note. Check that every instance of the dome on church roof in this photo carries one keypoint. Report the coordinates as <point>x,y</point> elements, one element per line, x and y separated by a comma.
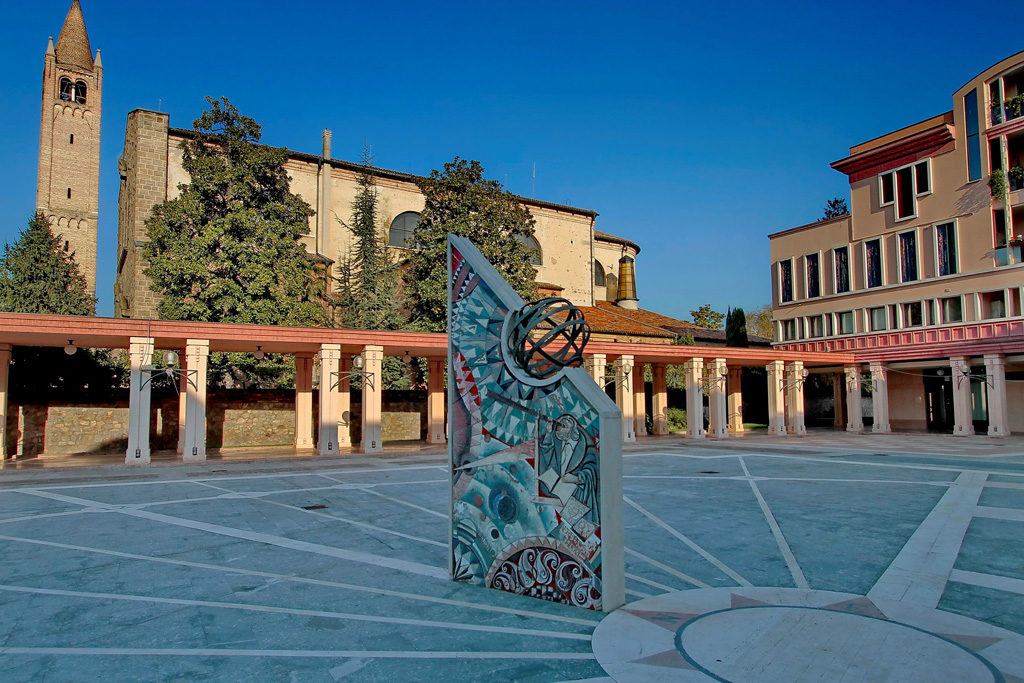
<point>73,43</point>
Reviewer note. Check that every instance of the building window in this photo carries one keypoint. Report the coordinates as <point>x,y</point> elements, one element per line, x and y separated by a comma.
<point>532,247</point>
<point>815,326</point>
<point>908,256</point>
<point>813,280</point>
<point>879,319</point>
<point>841,256</point>
<point>788,330</point>
<point>912,316</point>
<point>66,89</point>
<point>903,186</point>
<point>598,274</point>
<point>786,280</point>
<point>402,229</point>
<point>993,305</point>
<point>69,193</point>
<point>885,189</point>
<point>945,248</point>
<point>71,139</point>
<point>80,92</point>
<point>873,262</point>
<point>973,143</point>
<point>952,310</point>
<point>845,322</point>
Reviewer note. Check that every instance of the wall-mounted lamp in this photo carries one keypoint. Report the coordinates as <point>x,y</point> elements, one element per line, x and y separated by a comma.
<point>356,372</point>
<point>170,359</point>
<point>259,355</point>
<point>406,358</point>
<point>789,384</point>
<point>70,349</point>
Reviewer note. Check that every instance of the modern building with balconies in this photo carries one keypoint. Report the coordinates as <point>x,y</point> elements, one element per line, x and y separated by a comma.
<point>925,271</point>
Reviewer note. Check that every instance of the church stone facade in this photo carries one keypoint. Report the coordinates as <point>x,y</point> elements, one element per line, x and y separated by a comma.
<point>67,191</point>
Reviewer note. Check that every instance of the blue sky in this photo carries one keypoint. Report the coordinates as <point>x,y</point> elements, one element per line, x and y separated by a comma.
<point>693,129</point>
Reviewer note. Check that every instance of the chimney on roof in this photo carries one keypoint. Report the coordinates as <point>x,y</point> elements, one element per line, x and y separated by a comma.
<point>327,143</point>
<point>625,295</point>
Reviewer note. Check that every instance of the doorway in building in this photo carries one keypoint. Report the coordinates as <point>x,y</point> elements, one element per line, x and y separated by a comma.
<point>938,400</point>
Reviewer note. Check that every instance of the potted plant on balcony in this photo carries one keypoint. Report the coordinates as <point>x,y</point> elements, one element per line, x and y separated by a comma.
<point>1015,105</point>
<point>997,184</point>
<point>1016,241</point>
<point>1016,177</point>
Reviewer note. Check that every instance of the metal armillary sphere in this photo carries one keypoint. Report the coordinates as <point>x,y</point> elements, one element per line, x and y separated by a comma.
<point>548,335</point>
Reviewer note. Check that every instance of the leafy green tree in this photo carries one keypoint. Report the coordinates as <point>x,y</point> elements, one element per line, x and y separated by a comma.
<point>834,208</point>
<point>39,275</point>
<point>367,294</point>
<point>227,248</point>
<point>759,322</point>
<point>461,201</point>
<point>736,328</point>
<point>707,318</point>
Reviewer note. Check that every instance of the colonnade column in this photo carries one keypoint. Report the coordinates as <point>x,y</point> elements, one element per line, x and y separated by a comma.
<point>327,436</point>
<point>995,377</point>
<point>694,370</point>
<point>624,396</point>
<point>639,401</point>
<point>304,400</point>
<point>659,399</point>
<point>854,406</point>
<point>734,400</point>
<point>182,400</point>
<point>794,401</point>
<point>344,399</point>
<point>880,398</point>
<point>197,352</point>
<point>435,400</point>
<point>5,372</point>
<point>598,362</point>
<point>776,398</point>
<point>373,361</point>
<point>718,423</point>
<point>140,355</point>
<point>962,413</point>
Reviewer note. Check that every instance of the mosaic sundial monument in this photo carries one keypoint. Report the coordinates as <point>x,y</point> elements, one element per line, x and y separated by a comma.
<point>534,445</point>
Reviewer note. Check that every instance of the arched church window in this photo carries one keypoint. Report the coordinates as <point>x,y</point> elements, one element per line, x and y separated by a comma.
<point>532,246</point>
<point>67,89</point>
<point>402,228</point>
<point>80,92</point>
<point>598,274</point>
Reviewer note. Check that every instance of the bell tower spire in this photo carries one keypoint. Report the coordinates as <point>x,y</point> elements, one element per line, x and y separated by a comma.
<point>67,191</point>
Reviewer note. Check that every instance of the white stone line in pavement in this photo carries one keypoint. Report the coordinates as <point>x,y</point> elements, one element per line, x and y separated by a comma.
<point>268,539</point>
<point>28,518</point>
<point>399,500</point>
<point>907,466</point>
<point>344,616</point>
<point>1009,514</point>
<point>780,539</point>
<point>638,594</point>
<point>1002,583</point>
<point>250,475</point>
<point>919,573</point>
<point>652,584</point>
<point>667,569</point>
<point>690,456</point>
<point>239,495</point>
<point>688,542</point>
<point>1003,485</point>
<point>736,477</point>
<point>304,580</point>
<point>319,654</point>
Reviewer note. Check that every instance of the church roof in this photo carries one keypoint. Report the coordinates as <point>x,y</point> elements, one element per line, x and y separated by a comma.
<point>73,43</point>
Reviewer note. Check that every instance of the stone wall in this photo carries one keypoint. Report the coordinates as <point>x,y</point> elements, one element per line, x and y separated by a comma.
<point>234,419</point>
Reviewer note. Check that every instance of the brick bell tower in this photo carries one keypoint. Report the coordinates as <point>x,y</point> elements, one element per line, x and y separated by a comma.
<point>69,141</point>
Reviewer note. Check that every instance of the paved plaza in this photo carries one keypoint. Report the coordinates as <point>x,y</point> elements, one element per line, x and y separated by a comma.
<point>835,557</point>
